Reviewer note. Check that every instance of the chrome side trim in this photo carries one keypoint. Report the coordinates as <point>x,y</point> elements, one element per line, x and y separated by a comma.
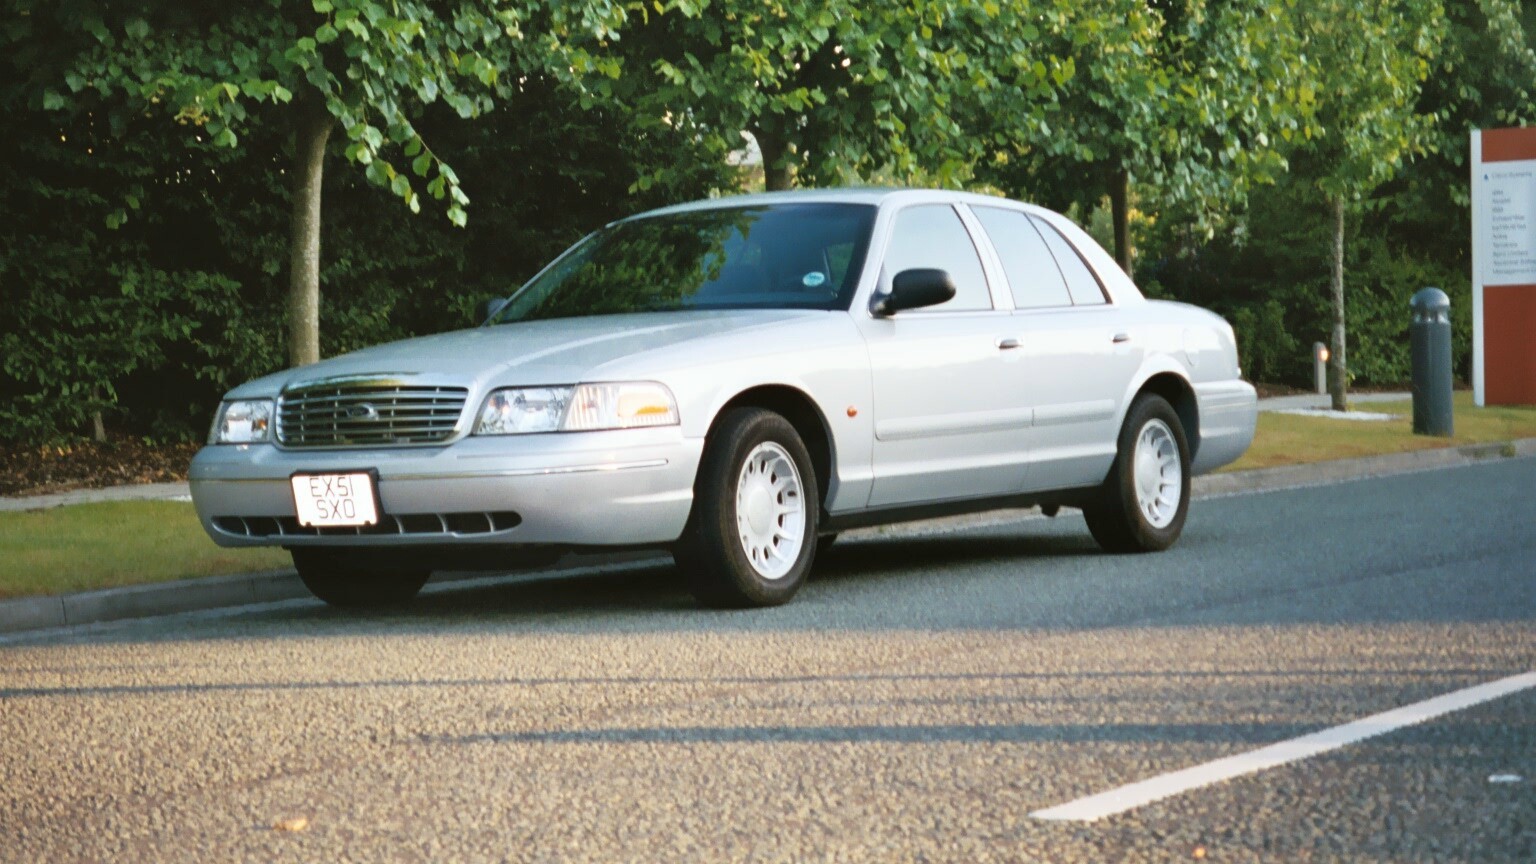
<point>537,472</point>
<point>967,423</point>
<point>1074,412</point>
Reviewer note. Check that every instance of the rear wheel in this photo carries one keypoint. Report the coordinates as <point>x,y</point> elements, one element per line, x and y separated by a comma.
<point>340,583</point>
<point>751,537</point>
<point>1145,499</point>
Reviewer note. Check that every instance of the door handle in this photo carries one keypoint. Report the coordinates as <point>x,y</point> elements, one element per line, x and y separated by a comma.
<point>1121,337</point>
<point>1007,343</point>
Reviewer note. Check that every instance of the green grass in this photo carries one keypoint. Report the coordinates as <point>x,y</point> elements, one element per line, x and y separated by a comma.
<point>1291,439</point>
<point>86,546</point>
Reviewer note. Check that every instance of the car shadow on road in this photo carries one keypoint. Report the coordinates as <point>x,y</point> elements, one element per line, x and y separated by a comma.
<point>856,584</point>
<point>848,568</point>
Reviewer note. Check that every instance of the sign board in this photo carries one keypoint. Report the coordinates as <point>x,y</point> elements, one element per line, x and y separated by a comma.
<point>1504,266</point>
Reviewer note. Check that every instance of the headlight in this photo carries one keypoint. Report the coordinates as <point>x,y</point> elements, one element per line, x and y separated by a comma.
<point>244,422</point>
<point>584,408</point>
<point>530,409</point>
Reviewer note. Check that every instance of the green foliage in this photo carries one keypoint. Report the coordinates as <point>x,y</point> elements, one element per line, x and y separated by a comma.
<point>1187,98</point>
<point>220,71</point>
<point>144,219</point>
<point>1268,347</point>
<point>1360,92</point>
<point>205,247</point>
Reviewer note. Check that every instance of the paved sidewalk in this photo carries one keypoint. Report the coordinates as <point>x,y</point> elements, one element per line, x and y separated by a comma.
<point>1322,400</point>
<point>136,492</point>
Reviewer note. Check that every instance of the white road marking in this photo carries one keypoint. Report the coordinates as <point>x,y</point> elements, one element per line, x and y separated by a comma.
<point>1134,795</point>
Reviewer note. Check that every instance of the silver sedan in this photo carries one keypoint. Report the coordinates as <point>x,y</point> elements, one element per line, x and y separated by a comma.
<point>736,380</point>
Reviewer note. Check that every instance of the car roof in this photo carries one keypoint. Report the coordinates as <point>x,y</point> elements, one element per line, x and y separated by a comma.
<point>872,195</point>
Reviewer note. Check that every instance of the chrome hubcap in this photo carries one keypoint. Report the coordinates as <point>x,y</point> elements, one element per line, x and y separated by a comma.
<point>770,512</point>
<point>1158,474</point>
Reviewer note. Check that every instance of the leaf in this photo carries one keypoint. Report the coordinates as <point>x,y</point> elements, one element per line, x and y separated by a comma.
<point>298,823</point>
<point>457,216</point>
<point>421,164</point>
<point>53,101</point>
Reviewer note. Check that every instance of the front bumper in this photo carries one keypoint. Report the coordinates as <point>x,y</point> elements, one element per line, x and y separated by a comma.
<point>629,487</point>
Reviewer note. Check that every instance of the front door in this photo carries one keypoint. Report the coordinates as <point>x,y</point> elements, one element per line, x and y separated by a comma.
<point>950,417</point>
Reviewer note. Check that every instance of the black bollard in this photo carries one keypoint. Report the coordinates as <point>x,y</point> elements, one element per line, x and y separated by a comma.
<point>1430,335</point>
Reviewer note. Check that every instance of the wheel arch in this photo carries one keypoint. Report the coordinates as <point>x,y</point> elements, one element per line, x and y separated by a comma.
<point>1179,393</point>
<point>797,407</point>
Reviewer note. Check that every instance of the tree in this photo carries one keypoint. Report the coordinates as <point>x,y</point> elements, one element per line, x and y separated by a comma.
<point>1182,96</point>
<point>357,67</point>
<point>829,91</point>
<point>148,322</point>
<point>1366,65</point>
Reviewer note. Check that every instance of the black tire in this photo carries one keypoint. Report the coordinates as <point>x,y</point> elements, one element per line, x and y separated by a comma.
<point>711,554</point>
<point>349,586</point>
<point>1115,517</point>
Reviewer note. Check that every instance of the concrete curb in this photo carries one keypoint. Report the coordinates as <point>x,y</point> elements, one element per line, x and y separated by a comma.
<point>141,601</point>
<point>242,589</point>
<point>1344,470</point>
<point>215,592</point>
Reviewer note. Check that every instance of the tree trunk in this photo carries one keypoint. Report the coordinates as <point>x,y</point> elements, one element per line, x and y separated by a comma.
<point>310,134</point>
<point>1120,209</point>
<point>1338,369</point>
<point>776,175</point>
<point>98,423</point>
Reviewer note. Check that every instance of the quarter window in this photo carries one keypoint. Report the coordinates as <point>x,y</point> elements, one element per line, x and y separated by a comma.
<point>1083,285</point>
<point>1033,276</point>
<point>932,235</point>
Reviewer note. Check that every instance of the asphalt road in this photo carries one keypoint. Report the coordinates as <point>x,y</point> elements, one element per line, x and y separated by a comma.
<point>917,702</point>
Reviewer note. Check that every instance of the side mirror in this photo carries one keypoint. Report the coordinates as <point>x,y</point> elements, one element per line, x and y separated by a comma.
<point>914,289</point>
<point>487,308</point>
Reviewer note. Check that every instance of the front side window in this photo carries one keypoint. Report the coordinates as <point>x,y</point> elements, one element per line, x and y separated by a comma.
<point>791,256</point>
<point>932,236</point>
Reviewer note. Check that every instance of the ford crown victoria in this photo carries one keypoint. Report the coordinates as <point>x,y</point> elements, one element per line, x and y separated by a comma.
<point>735,381</point>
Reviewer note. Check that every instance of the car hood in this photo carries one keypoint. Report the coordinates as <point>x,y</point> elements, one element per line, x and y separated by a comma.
<point>558,351</point>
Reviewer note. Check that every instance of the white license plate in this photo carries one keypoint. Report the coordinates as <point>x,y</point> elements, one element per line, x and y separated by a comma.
<point>335,500</point>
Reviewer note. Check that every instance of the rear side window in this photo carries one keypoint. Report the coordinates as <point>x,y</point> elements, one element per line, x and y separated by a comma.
<point>1081,283</point>
<point>1033,276</point>
<point>932,235</point>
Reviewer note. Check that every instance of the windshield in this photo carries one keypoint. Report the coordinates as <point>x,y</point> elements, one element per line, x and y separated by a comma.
<point>788,256</point>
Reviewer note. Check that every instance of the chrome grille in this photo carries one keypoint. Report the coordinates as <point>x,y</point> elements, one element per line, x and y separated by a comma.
<point>364,414</point>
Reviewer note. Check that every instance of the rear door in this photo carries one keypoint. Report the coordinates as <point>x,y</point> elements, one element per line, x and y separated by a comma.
<point>1079,350</point>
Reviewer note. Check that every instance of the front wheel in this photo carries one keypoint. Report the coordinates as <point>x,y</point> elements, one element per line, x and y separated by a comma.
<point>751,537</point>
<point>339,583</point>
<point>1145,499</point>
